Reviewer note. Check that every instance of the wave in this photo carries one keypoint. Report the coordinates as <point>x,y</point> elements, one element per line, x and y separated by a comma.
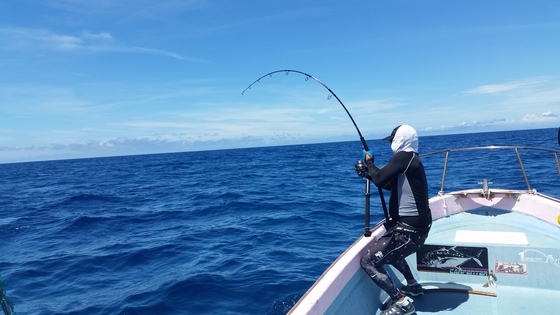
<point>86,198</point>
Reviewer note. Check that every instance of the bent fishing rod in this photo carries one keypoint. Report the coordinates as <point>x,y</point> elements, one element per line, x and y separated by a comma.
<point>364,144</point>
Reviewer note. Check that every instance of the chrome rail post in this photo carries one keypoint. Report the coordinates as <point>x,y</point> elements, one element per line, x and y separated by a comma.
<point>444,172</point>
<point>523,169</point>
<point>557,163</point>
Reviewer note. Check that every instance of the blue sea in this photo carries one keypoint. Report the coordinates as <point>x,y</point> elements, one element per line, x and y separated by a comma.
<point>243,231</point>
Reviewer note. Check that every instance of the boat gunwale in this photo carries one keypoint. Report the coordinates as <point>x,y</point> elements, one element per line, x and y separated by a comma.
<point>307,297</point>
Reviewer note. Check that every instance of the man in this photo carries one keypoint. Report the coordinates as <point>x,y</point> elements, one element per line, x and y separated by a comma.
<point>410,217</point>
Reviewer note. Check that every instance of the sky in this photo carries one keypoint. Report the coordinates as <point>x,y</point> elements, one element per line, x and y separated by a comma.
<point>105,78</point>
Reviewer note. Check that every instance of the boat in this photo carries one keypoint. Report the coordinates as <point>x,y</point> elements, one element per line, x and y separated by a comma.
<point>490,250</point>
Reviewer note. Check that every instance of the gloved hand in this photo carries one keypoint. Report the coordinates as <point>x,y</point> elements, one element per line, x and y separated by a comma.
<point>366,153</point>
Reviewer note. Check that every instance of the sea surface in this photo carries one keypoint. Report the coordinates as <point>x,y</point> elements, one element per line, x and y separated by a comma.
<point>243,231</point>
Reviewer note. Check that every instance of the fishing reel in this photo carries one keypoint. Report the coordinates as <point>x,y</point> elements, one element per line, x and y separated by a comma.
<point>361,169</point>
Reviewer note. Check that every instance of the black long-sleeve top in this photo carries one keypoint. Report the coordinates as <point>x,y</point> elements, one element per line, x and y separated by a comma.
<point>405,177</point>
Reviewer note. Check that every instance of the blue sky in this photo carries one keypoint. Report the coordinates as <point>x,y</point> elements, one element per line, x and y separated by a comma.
<point>102,78</point>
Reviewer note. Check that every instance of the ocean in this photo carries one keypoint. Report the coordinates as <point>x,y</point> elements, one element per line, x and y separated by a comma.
<point>244,231</point>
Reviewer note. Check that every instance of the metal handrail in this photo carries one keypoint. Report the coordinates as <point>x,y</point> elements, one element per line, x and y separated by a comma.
<point>515,148</point>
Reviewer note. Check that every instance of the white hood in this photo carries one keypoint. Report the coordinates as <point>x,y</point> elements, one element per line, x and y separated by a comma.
<point>406,139</point>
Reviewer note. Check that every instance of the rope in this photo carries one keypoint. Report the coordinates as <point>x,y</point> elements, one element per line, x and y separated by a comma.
<point>465,291</point>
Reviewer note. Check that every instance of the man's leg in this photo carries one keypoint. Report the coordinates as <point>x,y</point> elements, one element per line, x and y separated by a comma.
<point>372,262</point>
<point>409,244</point>
<point>412,286</point>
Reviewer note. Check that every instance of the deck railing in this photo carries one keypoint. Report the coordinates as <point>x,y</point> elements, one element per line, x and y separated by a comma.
<point>515,148</point>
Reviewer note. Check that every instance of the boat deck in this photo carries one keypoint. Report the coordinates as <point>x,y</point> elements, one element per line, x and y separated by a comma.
<point>489,261</point>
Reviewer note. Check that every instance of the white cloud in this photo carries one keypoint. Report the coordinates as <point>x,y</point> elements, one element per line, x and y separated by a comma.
<point>544,117</point>
<point>30,39</point>
<point>41,39</point>
<point>507,86</point>
<point>103,36</point>
<point>145,145</point>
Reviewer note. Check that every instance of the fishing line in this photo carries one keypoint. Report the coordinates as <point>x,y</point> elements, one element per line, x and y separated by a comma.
<point>364,144</point>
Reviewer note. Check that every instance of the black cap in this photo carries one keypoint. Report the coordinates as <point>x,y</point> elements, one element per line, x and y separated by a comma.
<point>390,138</point>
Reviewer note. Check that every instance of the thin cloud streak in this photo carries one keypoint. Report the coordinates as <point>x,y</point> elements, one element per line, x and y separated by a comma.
<point>508,86</point>
<point>29,39</point>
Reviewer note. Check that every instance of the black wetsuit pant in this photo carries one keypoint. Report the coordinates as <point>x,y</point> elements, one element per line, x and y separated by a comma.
<point>391,249</point>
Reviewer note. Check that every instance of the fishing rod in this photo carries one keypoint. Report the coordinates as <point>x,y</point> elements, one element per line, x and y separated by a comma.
<point>364,144</point>
<point>307,77</point>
